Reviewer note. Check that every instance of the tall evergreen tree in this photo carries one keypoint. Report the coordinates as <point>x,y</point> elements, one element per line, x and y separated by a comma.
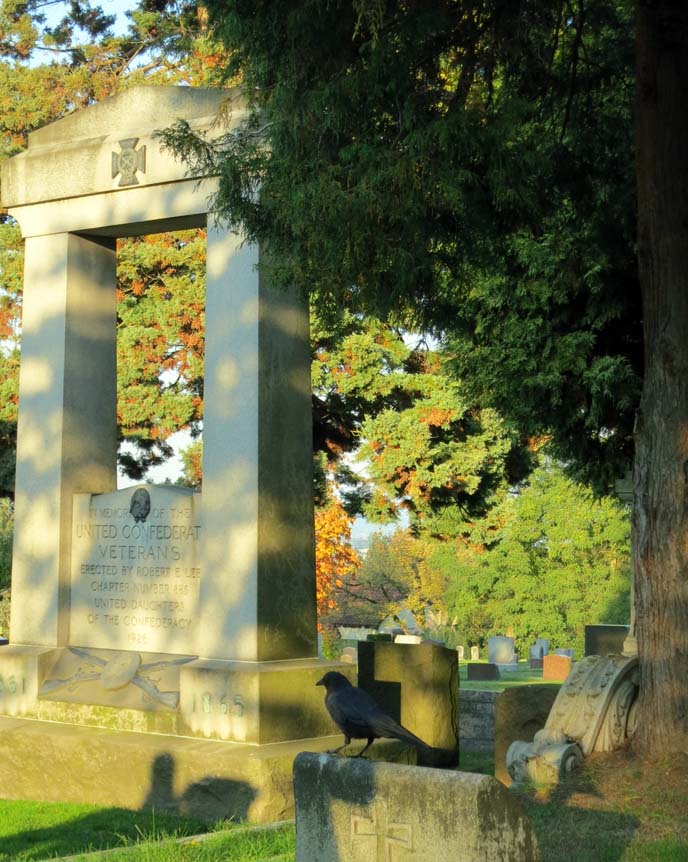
<point>469,165</point>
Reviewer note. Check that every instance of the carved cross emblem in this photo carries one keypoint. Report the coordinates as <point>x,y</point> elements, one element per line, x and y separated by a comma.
<point>378,831</point>
<point>128,162</point>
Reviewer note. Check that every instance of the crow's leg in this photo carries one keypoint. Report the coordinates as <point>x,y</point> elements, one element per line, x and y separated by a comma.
<point>371,740</point>
<point>347,741</point>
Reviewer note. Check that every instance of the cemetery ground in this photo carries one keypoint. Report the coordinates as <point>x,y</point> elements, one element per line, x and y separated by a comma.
<point>614,809</point>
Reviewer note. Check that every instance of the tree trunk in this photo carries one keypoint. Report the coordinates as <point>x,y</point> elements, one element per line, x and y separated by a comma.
<point>660,511</point>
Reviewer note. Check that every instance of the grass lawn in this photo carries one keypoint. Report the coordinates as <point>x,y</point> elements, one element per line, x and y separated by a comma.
<point>236,844</point>
<point>614,809</point>
<point>523,676</point>
<point>40,830</point>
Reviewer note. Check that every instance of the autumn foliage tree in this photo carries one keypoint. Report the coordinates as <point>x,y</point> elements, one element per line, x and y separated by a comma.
<point>160,344</point>
<point>335,559</point>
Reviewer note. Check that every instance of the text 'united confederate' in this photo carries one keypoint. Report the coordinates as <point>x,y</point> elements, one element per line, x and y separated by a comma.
<point>147,532</point>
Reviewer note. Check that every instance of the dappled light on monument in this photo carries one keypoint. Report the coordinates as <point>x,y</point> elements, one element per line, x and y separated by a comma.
<point>157,609</point>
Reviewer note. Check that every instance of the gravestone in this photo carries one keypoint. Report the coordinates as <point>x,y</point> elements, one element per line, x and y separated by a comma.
<point>475,653</point>
<point>567,651</point>
<point>535,657</point>
<point>593,711</point>
<point>408,639</point>
<point>349,810</point>
<point>349,654</point>
<point>544,644</point>
<point>485,671</point>
<point>605,640</point>
<point>418,685</point>
<point>154,609</point>
<point>556,668</point>
<point>500,651</point>
<point>460,652</point>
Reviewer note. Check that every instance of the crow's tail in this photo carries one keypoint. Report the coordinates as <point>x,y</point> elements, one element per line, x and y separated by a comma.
<point>387,726</point>
<point>406,736</point>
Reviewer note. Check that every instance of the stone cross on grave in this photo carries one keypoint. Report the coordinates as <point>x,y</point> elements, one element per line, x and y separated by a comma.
<point>389,838</point>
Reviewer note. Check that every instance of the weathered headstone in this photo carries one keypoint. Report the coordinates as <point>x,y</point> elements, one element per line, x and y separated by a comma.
<point>535,655</point>
<point>500,651</point>
<point>555,668</point>
<point>544,644</point>
<point>460,651</point>
<point>485,671</point>
<point>140,609</point>
<point>475,653</point>
<point>594,711</point>
<point>418,685</point>
<point>477,719</point>
<point>605,640</point>
<point>567,651</point>
<point>350,810</point>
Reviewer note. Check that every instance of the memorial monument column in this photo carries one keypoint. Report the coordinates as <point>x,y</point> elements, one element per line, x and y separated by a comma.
<point>67,436</point>
<point>257,599</point>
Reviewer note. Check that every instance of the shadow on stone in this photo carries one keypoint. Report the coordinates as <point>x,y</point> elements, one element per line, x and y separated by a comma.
<point>212,798</point>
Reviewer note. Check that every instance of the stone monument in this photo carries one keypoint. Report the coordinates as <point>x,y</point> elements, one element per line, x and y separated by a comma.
<point>154,608</point>
<point>500,651</point>
<point>595,710</point>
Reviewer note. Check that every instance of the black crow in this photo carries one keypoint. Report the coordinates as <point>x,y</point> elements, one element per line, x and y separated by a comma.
<point>358,716</point>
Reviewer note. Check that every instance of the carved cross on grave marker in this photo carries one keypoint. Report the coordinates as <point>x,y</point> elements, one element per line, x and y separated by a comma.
<point>389,837</point>
<point>128,162</point>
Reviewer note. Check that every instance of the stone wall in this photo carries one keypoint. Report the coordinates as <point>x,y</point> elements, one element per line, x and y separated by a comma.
<point>477,720</point>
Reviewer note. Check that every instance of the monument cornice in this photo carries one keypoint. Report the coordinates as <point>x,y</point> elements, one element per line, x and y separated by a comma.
<point>80,155</point>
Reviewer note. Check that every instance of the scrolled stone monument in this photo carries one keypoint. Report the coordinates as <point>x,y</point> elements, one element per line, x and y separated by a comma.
<point>154,608</point>
<point>594,711</point>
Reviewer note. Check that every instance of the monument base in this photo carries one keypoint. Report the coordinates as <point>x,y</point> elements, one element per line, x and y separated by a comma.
<point>204,778</point>
<point>256,702</point>
<point>237,701</point>
<point>212,739</point>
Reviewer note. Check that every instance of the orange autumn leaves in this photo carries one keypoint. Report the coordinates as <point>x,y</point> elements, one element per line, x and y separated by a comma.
<point>335,559</point>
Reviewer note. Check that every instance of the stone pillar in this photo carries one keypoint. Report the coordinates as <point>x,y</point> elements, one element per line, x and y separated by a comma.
<point>66,437</point>
<point>257,600</point>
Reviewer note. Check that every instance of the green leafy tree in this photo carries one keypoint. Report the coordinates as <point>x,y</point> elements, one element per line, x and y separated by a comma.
<point>560,561</point>
<point>464,166</point>
<point>442,459</point>
<point>394,570</point>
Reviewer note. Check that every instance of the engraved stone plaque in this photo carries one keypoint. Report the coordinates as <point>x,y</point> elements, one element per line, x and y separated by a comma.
<point>135,572</point>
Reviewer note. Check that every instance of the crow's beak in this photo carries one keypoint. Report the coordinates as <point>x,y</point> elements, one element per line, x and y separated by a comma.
<point>320,682</point>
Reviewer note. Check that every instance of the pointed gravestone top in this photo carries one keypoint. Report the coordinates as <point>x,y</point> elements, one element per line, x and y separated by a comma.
<point>144,106</point>
<point>111,145</point>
